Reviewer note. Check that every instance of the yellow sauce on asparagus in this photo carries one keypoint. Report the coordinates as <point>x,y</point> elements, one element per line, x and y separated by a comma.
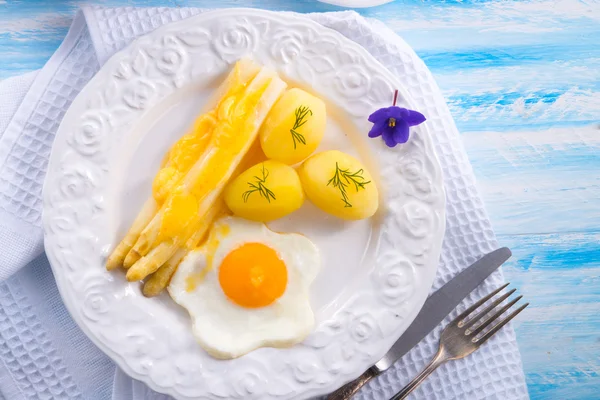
<point>230,126</point>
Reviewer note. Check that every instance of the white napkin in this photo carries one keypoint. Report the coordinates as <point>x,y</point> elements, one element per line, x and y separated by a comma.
<point>44,354</point>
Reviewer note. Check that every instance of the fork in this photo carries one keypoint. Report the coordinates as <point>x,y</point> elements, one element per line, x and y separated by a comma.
<point>462,337</point>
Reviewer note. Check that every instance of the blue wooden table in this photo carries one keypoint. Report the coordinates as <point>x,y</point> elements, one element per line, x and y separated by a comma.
<point>522,80</point>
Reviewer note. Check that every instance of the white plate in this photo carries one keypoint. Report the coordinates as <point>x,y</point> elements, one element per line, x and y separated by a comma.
<point>376,273</point>
<point>356,3</point>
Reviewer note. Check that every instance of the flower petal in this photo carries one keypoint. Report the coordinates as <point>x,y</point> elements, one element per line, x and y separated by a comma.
<point>378,128</point>
<point>388,137</point>
<point>379,115</point>
<point>401,132</point>
<point>396,112</point>
<point>414,118</point>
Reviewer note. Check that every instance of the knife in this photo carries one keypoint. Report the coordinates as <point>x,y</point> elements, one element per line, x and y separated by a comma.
<point>435,309</point>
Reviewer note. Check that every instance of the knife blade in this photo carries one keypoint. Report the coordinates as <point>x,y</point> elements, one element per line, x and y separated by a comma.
<point>435,309</point>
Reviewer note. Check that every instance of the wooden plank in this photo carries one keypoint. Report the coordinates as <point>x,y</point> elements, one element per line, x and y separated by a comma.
<point>539,181</point>
<point>559,334</point>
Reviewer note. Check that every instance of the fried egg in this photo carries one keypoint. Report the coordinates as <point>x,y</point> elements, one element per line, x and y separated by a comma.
<point>247,287</point>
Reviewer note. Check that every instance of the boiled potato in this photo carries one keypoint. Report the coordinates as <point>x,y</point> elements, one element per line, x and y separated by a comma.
<point>340,185</point>
<point>294,127</point>
<point>269,190</point>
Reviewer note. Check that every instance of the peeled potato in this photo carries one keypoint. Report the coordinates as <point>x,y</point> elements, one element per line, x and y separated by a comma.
<point>340,185</point>
<point>294,127</point>
<point>267,191</point>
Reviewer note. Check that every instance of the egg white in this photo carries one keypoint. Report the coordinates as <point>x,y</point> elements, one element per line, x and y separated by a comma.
<point>226,330</point>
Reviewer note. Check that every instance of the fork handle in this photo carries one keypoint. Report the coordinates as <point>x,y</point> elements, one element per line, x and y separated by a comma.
<point>438,360</point>
<point>349,389</point>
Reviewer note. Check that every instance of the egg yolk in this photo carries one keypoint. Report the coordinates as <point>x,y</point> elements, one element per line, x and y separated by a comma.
<point>253,275</point>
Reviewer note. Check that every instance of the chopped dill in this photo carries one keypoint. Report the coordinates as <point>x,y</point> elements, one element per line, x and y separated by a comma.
<point>301,113</point>
<point>259,186</point>
<point>343,177</point>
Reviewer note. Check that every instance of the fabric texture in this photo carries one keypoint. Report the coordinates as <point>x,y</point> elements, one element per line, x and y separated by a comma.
<point>43,354</point>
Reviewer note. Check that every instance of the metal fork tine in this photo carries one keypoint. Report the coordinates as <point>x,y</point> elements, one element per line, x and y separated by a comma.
<point>479,303</point>
<point>489,308</point>
<point>491,319</point>
<point>499,325</point>
<point>458,340</point>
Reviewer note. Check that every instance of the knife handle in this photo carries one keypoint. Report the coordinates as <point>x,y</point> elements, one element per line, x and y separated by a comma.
<point>349,389</point>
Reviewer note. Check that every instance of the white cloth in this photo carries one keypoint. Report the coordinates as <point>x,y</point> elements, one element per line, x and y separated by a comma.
<point>43,354</point>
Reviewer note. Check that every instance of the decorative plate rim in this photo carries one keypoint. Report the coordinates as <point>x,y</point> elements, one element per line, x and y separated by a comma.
<point>70,202</point>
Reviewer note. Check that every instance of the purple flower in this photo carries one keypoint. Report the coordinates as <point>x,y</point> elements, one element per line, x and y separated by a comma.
<point>392,123</point>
